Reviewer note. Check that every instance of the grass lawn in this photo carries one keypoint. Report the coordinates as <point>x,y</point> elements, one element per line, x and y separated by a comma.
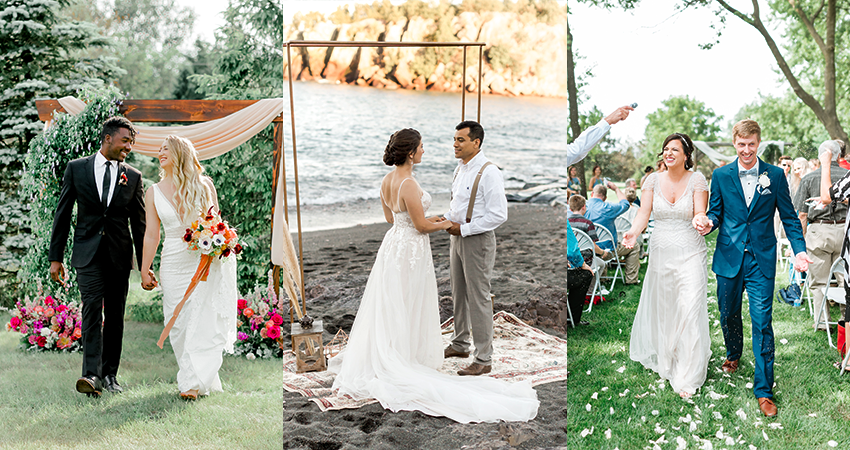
<point>41,409</point>
<point>630,407</point>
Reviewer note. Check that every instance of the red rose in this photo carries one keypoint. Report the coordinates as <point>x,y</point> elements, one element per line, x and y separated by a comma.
<point>48,300</point>
<point>237,249</point>
<point>242,303</point>
<point>15,322</point>
<point>273,332</point>
<point>208,217</point>
<point>188,231</point>
<point>225,253</point>
<point>187,237</point>
<point>221,226</point>
<point>41,341</point>
<point>277,319</point>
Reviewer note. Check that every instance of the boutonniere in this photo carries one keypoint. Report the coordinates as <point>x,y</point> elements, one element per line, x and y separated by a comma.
<point>764,183</point>
<point>123,180</point>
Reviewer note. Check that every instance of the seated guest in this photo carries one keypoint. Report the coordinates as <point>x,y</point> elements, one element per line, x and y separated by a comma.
<point>576,218</point>
<point>579,276</point>
<point>603,213</point>
<point>632,184</point>
<point>634,202</point>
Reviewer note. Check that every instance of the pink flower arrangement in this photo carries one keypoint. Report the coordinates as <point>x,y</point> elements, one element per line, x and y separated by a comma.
<point>47,323</point>
<point>259,325</point>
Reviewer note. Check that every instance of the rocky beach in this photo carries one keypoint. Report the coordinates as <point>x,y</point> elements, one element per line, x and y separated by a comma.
<point>529,282</point>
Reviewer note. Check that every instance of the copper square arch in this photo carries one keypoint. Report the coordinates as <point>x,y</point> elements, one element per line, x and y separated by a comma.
<point>193,111</point>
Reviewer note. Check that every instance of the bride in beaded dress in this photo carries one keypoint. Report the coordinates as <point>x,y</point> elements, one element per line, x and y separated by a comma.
<point>670,334</point>
<point>395,346</point>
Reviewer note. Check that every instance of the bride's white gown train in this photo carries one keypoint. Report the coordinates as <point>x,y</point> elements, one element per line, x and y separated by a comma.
<point>206,325</point>
<point>395,346</point>
<point>670,333</point>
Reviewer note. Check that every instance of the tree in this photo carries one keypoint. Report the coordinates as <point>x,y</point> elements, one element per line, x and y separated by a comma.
<point>199,63</point>
<point>41,55</point>
<point>810,25</point>
<point>248,65</point>
<point>787,119</point>
<point>679,114</point>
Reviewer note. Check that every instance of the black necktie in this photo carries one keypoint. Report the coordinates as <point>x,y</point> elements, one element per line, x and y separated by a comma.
<point>106,180</point>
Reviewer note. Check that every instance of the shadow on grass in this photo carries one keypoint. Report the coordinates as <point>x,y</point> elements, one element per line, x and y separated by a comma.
<point>614,402</point>
<point>41,407</point>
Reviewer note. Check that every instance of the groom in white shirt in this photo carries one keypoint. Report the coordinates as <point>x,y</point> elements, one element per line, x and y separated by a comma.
<point>473,246</point>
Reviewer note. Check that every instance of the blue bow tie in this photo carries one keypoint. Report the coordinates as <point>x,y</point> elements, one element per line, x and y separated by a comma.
<point>752,171</point>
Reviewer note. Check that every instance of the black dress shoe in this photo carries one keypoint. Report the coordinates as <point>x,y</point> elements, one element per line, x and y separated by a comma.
<point>90,385</point>
<point>112,385</point>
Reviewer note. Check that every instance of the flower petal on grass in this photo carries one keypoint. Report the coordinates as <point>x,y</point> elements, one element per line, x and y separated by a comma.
<point>655,412</point>
<point>775,426</point>
<point>717,415</point>
<point>764,435</point>
<point>623,394</point>
<point>783,341</point>
<point>608,434</point>
<point>740,413</point>
<point>595,396</point>
<point>587,407</point>
<point>585,432</point>
<point>681,443</point>
<point>621,369</point>
<point>716,396</point>
<point>611,411</point>
<point>832,443</point>
<point>749,385</point>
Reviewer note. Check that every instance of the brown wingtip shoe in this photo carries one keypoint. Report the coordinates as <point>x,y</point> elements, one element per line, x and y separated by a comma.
<point>474,369</point>
<point>730,366</point>
<point>767,406</point>
<point>450,352</point>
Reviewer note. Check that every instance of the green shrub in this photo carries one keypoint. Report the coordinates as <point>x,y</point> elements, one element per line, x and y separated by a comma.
<point>147,310</point>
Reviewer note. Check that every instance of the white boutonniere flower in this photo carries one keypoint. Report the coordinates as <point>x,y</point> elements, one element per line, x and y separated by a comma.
<point>764,181</point>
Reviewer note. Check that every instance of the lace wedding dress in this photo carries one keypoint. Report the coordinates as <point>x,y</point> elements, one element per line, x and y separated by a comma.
<point>206,325</point>
<point>670,333</point>
<point>395,346</point>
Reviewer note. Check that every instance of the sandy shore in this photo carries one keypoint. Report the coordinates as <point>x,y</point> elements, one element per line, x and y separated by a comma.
<point>529,282</point>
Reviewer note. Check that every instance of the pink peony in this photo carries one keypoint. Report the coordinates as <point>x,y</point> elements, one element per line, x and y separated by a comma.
<point>48,300</point>
<point>277,319</point>
<point>15,322</point>
<point>49,312</point>
<point>263,333</point>
<point>32,339</point>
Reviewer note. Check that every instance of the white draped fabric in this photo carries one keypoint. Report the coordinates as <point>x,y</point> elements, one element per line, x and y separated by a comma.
<point>716,156</point>
<point>217,137</point>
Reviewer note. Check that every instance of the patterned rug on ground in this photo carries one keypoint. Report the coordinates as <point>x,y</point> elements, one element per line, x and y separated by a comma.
<point>520,352</point>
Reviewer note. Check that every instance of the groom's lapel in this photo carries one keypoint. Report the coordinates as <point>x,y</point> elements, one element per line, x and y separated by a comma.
<point>736,181</point>
<point>757,194</point>
<point>88,176</point>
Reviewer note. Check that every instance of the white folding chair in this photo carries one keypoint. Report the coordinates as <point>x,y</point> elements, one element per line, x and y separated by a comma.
<point>622,224</point>
<point>584,243</point>
<point>604,235</point>
<point>834,293</point>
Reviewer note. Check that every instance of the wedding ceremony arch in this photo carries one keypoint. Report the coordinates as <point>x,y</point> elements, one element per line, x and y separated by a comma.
<point>219,126</point>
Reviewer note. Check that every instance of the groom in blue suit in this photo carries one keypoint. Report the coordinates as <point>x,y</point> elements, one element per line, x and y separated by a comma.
<point>744,197</point>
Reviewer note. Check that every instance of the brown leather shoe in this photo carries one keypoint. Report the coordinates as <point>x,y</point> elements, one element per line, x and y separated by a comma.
<point>474,369</point>
<point>730,366</point>
<point>450,352</point>
<point>767,406</point>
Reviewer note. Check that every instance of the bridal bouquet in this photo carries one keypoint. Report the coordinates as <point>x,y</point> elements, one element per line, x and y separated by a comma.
<point>212,236</point>
<point>47,324</point>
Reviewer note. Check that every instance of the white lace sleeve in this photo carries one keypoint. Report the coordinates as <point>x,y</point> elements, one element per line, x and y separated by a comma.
<point>700,184</point>
<point>649,182</point>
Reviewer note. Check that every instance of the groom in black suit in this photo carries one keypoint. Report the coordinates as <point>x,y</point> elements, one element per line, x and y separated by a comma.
<point>108,195</point>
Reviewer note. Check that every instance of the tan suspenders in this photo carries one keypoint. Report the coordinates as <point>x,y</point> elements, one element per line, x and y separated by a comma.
<point>474,191</point>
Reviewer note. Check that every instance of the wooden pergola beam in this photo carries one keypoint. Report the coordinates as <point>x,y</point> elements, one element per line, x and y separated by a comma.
<point>163,110</point>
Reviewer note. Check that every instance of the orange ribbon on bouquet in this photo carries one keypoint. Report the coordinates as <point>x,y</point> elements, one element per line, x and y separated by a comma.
<point>200,275</point>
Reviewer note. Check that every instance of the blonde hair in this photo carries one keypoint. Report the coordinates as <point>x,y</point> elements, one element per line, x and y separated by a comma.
<point>192,196</point>
<point>745,129</point>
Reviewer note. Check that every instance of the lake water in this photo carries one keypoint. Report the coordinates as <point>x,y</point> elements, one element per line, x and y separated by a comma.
<point>342,130</point>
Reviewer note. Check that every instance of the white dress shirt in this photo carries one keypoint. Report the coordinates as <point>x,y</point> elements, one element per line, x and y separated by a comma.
<point>748,183</point>
<point>491,205</point>
<point>577,150</point>
<point>99,167</point>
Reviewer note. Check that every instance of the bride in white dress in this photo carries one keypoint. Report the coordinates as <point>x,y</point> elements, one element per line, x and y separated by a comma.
<point>395,346</point>
<point>670,334</point>
<point>206,325</point>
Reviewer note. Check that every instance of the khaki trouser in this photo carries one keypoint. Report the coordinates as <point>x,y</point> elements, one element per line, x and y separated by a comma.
<point>631,262</point>
<point>472,259</point>
<point>823,244</point>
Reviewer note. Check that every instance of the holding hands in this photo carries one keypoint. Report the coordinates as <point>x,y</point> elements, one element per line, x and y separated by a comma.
<point>148,280</point>
<point>702,224</point>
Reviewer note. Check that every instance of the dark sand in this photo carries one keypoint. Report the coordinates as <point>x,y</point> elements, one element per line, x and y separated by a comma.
<point>529,282</point>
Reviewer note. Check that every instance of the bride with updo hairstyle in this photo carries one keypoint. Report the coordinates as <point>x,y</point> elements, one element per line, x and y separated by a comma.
<point>395,346</point>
